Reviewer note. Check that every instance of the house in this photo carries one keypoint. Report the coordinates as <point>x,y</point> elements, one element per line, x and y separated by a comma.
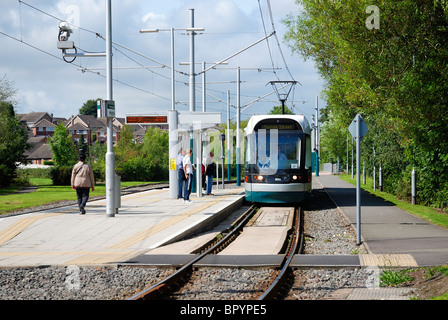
<point>39,154</point>
<point>43,128</point>
<point>92,128</point>
<point>30,119</point>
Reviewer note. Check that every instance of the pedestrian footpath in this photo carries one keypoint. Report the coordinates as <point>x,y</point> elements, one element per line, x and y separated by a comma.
<point>387,229</point>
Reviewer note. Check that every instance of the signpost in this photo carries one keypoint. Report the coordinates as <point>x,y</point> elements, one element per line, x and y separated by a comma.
<point>358,130</point>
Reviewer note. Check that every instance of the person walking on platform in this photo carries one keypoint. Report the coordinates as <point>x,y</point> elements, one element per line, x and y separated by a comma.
<point>180,172</point>
<point>209,172</point>
<point>82,180</point>
<point>188,171</point>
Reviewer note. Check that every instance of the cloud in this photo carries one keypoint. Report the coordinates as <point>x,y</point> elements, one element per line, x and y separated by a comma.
<point>45,82</point>
<point>151,16</point>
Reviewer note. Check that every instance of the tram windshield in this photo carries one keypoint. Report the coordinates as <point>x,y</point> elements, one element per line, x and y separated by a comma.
<point>275,149</point>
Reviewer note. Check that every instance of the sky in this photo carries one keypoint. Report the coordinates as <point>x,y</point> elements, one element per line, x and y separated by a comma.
<point>46,83</point>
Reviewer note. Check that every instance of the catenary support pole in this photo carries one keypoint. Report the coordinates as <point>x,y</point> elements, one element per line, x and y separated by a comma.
<point>238,119</point>
<point>110,157</point>
<point>229,173</point>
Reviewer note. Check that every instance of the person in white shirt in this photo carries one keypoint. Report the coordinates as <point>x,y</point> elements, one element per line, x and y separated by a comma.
<point>180,171</point>
<point>188,171</point>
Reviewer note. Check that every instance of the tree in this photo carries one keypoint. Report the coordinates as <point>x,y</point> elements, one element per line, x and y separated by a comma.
<point>155,150</point>
<point>126,147</point>
<point>278,110</point>
<point>13,137</point>
<point>396,76</point>
<point>7,91</point>
<point>89,108</point>
<point>82,145</point>
<point>63,147</point>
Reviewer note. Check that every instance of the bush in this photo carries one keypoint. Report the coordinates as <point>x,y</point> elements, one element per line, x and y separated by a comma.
<point>61,176</point>
<point>136,169</point>
<point>34,173</point>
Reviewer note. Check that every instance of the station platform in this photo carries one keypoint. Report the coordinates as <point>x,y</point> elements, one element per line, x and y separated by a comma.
<point>387,231</point>
<point>146,220</point>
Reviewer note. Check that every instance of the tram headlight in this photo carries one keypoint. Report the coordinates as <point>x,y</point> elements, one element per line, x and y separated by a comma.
<point>294,177</point>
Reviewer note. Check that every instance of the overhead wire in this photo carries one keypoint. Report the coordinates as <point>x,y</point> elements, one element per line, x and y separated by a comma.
<point>98,35</point>
<point>84,69</point>
<point>267,40</point>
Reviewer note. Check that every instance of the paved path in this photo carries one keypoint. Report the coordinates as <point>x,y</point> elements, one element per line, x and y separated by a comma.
<point>387,229</point>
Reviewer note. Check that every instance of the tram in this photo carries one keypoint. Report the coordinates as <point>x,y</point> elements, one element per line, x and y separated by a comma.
<point>278,159</point>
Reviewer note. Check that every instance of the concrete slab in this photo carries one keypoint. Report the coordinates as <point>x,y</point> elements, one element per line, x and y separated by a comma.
<point>264,235</point>
<point>302,261</point>
<point>241,260</point>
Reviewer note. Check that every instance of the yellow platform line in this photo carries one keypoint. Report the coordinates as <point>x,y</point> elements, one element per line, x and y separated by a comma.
<point>94,257</point>
<point>388,260</point>
<point>103,257</point>
<point>18,227</point>
<point>144,234</point>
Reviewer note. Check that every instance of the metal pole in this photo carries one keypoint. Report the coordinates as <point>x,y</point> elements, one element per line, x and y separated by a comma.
<point>374,170</point>
<point>228,137</point>
<point>352,161</point>
<point>347,154</point>
<point>199,163</point>
<point>317,138</point>
<point>204,102</point>
<point>380,176</point>
<point>222,162</point>
<point>173,74</point>
<point>192,70</point>
<point>192,89</point>
<point>358,179</point>
<point>363,172</point>
<point>110,157</point>
<point>238,119</point>
<point>174,150</point>
<point>413,185</point>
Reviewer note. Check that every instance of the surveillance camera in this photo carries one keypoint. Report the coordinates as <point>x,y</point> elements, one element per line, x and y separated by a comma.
<point>64,31</point>
<point>64,35</point>
<point>65,26</point>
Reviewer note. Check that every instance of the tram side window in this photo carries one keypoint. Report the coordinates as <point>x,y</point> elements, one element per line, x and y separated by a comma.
<point>308,158</point>
<point>250,150</point>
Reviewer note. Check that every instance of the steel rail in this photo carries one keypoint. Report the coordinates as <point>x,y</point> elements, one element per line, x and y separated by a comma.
<point>296,243</point>
<point>158,289</point>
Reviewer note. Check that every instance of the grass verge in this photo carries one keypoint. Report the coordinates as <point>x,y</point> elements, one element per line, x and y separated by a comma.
<point>45,194</point>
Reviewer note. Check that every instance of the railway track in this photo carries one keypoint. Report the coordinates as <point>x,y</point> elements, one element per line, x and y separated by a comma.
<point>177,280</point>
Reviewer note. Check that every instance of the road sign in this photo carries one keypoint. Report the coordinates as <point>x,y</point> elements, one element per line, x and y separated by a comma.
<point>106,108</point>
<point>358,129</point>
<point>362,127</point>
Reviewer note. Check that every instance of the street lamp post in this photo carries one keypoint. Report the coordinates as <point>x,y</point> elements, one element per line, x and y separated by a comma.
<point>173,140</point>
<point>64,44</point>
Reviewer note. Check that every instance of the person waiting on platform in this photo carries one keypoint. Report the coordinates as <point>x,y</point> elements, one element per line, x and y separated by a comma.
<point>180,172</point>
<point>82,180</point>
<point>209,172</point>
<point>188,171</point>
